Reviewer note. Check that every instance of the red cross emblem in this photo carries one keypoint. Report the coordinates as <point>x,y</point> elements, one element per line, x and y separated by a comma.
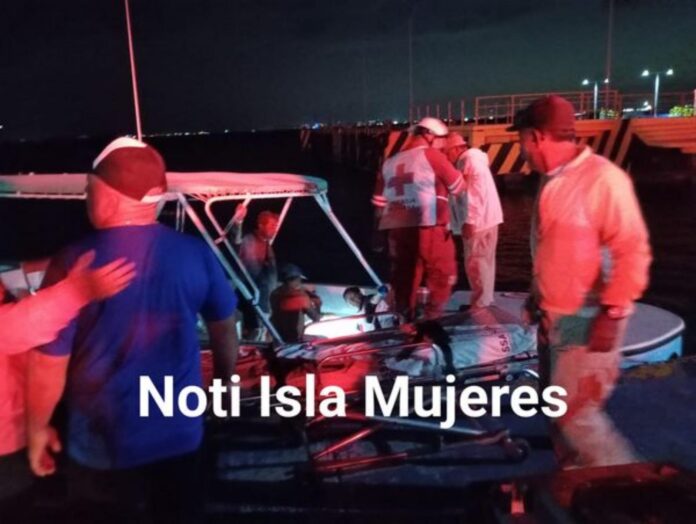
<point>400,179</point>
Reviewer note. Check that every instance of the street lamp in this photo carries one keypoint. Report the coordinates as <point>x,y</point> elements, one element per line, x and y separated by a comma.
<point>646,73</point>
<point>595,97</point>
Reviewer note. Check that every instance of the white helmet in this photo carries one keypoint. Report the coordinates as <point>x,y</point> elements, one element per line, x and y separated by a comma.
<point>436,126</point>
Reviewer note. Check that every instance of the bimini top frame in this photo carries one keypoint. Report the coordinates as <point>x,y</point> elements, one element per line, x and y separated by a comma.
<point>213,183</point>
<point>208,188</point>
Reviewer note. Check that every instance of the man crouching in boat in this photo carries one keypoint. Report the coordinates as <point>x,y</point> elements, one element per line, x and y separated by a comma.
<point>31,322</point>
<point>291,302</point>
<point>117,457</point>
<point>586,208</point>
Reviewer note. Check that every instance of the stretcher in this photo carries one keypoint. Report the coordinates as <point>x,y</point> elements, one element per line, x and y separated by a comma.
<point>488,346</point>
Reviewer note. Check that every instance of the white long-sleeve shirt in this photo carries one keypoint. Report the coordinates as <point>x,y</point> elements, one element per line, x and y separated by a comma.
<point>585,209</point>
<point>483,209</point>
<point>33,321</point>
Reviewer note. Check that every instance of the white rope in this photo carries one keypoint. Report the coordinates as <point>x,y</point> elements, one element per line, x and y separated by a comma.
<point>134,80</point>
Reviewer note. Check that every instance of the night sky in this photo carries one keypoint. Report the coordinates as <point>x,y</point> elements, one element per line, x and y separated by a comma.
<point>264,64</point>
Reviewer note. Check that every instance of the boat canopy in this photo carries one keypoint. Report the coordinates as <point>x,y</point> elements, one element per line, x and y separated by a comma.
<point>209,184</point>
<point>207,188</point>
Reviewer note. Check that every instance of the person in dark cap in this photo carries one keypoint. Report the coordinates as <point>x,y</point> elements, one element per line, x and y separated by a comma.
<point>591,258</point>
<point>117,457</point>
<point>291,302</point>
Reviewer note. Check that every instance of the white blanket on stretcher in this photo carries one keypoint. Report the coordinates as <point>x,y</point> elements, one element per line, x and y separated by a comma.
<point>472,345</point>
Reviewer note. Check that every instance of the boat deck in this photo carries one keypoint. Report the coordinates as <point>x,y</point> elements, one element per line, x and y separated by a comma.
<point>652,406</point>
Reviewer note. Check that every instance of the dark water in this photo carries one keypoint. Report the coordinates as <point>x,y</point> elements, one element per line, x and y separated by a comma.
<point>33,229</point>
<point>670,213</point>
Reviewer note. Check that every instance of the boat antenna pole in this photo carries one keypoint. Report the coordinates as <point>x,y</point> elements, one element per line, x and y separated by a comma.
<point>134,79</point>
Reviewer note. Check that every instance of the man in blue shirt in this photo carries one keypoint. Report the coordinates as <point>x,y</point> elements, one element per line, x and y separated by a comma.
<point>148,330</point>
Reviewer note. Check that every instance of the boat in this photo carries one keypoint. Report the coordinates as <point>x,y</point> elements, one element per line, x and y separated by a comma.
<point>653,334</point>
<point>268,470</point>
<point>308,468</point>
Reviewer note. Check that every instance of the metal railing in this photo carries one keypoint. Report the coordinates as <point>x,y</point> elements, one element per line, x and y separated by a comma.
<point>451,111</point>
<point>501,109</point>
<point>642,103</point>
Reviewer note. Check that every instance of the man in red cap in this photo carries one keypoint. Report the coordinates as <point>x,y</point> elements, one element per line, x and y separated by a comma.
<point>591,257</point>
<point>117,457</point>
<point>411,204</point>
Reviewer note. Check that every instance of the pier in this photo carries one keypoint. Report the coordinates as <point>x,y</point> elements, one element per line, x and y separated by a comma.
<point>621,130</point>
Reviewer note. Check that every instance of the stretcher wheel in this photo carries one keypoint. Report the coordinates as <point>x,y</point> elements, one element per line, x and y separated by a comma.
<point>516,449</point>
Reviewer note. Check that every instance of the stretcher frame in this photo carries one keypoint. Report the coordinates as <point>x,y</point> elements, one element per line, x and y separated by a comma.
<point>322,460</point>
<point>515,449</point>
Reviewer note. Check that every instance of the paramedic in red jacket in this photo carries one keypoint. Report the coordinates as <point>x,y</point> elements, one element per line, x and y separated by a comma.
<point>412,207</point>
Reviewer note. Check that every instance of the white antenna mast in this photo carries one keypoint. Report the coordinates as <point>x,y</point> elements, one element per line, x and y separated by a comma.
<point>134,79</point>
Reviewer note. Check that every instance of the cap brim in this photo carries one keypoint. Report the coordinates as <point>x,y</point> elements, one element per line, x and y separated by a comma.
<point>521,120</point>
<point>119,143</point>
<point>292,277</point>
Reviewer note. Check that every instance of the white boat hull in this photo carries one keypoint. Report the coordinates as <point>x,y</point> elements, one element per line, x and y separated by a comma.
<point>653,334</point>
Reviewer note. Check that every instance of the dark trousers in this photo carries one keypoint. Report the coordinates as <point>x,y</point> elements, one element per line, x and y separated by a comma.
<point>16,495</point>
<point>168,491</point>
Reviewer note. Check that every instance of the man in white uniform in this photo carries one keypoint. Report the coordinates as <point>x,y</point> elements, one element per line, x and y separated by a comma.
<point>481,213</point>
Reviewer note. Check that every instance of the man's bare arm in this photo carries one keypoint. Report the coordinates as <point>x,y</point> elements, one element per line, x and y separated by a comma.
<point>224,345</point>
